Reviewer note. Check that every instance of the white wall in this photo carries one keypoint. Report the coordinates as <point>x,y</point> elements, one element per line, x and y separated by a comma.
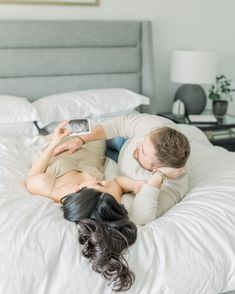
<point>177,24</point>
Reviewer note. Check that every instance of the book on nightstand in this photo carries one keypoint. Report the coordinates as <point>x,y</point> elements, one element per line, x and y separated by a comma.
<point>202,118</point>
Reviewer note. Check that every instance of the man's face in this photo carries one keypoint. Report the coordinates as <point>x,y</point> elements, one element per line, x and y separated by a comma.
<point>145,154</point>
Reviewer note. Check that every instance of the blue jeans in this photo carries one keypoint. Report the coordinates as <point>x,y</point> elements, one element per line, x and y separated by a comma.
<point>114,146</point>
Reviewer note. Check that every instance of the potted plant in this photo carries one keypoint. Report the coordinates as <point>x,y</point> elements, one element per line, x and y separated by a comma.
<point>220,93</point>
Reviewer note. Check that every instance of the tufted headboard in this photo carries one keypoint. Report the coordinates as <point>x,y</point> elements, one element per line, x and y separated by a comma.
<point>39,58</point>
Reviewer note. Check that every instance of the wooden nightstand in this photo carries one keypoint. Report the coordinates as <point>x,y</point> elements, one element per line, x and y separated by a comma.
<point>221,133</point>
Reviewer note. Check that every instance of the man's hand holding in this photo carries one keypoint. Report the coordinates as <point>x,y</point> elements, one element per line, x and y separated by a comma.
<point>70,146</point>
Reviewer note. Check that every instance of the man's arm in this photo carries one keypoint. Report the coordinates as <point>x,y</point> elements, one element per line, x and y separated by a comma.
<point>122,126</point>
<point>97,133</point>
<point>135,125</point>
<point>154,199</point>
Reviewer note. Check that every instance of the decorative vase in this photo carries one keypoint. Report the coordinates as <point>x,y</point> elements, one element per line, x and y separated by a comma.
<point>219,108</point>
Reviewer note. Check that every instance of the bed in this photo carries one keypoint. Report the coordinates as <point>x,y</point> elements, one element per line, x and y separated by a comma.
<point>189,250</point>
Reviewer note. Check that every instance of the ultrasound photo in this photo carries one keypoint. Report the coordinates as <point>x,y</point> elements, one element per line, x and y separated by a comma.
<point>79,126</point>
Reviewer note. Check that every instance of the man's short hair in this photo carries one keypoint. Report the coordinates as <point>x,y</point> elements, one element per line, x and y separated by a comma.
<point>171,146</point>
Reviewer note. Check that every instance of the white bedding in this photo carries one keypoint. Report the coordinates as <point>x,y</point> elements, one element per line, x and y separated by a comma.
<point>189,250</point>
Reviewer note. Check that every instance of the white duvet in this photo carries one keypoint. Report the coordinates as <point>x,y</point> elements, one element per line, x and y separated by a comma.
<point>189,250</point>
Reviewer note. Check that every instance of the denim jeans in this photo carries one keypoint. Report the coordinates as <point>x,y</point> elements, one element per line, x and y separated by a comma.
<point>114,146</point>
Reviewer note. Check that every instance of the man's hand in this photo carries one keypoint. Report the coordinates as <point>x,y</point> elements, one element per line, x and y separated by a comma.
<point>70,146</point>
<point>97,133</point>
<point>171,172</point>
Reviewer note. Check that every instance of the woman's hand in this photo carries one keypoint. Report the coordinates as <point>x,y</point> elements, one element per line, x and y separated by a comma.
<point>59,133</point>
<point>137,185</point>
<point>128,185</point>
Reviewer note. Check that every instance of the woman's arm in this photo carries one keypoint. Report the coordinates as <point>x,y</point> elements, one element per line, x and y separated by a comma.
<point>37,181</point>
<point>42,163</point>
<point>129,185</point>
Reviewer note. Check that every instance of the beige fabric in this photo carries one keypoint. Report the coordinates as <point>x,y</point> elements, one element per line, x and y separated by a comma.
<point>150,202</point>
<point>89,159</point>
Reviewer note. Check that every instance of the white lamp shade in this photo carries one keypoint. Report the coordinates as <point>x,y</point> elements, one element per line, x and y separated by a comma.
<point>193,66</point>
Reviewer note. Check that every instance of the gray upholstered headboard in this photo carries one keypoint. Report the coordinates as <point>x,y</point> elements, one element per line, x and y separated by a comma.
<point>39,58</point>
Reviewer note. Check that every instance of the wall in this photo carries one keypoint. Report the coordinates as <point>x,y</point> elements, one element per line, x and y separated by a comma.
<point>177,24</point>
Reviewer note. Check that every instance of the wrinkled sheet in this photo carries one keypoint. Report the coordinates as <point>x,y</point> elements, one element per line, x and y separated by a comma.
<point>189,250</point>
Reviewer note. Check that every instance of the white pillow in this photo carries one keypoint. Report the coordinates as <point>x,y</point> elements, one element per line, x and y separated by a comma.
<point>16,109</point>
<point>87,104</point>
<point>18,129</point>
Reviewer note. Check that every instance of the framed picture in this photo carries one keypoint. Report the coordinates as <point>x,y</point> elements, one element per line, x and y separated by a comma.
<point>53,2</point>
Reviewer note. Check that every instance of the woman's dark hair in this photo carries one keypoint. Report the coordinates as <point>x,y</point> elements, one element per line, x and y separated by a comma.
<point>105,231</point>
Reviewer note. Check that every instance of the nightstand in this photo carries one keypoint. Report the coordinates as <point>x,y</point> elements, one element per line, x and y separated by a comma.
<point>221,133</point>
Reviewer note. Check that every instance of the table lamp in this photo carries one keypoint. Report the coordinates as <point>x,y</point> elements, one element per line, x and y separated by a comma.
<point>191,68</point>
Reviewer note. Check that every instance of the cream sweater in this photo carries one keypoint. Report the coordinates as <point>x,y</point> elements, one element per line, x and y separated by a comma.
<point>150,202</point>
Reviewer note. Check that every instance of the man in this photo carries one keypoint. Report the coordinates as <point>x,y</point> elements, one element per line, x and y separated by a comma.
<point>155,153</point>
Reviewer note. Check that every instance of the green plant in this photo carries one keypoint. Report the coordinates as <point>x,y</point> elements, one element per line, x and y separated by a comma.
<point>221,90</point>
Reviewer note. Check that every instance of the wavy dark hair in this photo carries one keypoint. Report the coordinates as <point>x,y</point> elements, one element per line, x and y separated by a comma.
<point>106,233</point>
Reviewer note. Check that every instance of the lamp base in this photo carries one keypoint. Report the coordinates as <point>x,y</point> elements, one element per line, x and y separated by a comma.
<point>193,96</point>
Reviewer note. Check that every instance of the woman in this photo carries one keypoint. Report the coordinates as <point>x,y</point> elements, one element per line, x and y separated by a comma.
<point>76,181</point>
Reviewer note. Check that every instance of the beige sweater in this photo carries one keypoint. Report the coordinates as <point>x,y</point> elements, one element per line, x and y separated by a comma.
<point>150,202</point>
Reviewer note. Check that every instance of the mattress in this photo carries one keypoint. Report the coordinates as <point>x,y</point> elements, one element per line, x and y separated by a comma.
<point>189,250</point>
